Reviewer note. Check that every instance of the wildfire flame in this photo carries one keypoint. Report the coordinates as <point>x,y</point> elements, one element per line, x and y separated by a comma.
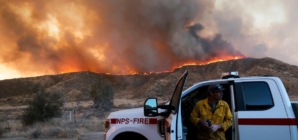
<point>214,60</point>
<point>113,37</point>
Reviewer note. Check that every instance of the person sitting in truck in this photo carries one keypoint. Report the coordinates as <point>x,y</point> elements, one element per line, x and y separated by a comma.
<point>212,115</point>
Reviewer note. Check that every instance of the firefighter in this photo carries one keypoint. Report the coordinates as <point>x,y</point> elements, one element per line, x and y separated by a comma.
<point>212,115</point>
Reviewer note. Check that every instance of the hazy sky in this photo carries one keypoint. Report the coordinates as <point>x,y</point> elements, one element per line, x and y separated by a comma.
<point>127,36</point>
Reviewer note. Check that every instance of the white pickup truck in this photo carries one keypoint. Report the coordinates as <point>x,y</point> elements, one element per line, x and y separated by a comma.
<point>260,106</point>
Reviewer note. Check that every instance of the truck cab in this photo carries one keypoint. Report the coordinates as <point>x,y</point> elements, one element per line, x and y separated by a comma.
<point>260,107</point>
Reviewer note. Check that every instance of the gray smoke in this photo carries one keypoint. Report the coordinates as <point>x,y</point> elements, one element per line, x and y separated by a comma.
<point>109,36</point>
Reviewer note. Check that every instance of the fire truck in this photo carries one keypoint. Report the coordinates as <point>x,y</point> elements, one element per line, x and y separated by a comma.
<point>260,106</point>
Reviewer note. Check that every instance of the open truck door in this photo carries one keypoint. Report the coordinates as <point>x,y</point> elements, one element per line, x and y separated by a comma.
<point>172,113</point>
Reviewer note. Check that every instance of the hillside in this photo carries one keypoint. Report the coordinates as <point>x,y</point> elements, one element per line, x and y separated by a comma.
<point>77,85</point>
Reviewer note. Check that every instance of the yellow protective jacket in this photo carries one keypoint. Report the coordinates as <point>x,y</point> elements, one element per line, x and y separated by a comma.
<point>222,116</point>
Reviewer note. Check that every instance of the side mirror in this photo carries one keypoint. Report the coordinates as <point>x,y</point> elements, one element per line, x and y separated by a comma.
<point>150,107</point>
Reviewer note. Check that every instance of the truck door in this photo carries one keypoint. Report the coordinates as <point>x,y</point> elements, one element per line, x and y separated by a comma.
<point>260,112</point>
<point>172,122</point>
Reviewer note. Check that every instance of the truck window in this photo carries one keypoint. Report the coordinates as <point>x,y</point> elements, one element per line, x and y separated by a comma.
<point>253,96</point>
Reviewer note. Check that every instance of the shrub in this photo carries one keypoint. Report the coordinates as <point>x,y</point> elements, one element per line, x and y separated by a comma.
<point>1,131</point>
<point>42,107</point>
<point>36,133</point>
<point>102,94</point>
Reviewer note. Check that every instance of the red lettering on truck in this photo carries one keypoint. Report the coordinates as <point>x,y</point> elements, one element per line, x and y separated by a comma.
<point>134,121</point>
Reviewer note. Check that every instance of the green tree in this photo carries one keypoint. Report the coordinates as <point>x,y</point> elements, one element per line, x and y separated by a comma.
<point>102,94</point>
<point>42,107</point>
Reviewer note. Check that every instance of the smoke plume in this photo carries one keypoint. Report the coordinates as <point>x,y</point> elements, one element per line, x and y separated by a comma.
<point>107,36</point>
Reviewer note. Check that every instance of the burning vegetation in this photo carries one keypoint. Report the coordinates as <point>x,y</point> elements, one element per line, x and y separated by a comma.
<point>107,36</point>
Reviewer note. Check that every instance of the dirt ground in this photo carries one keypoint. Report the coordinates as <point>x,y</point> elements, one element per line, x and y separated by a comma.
<point>85,136</point>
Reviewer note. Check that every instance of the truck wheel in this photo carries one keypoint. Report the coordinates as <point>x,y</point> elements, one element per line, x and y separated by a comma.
<point>130,136</point>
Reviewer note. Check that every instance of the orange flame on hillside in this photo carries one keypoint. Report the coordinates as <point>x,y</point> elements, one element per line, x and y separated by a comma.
<point>214,60</point>
<point>139,37</point>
